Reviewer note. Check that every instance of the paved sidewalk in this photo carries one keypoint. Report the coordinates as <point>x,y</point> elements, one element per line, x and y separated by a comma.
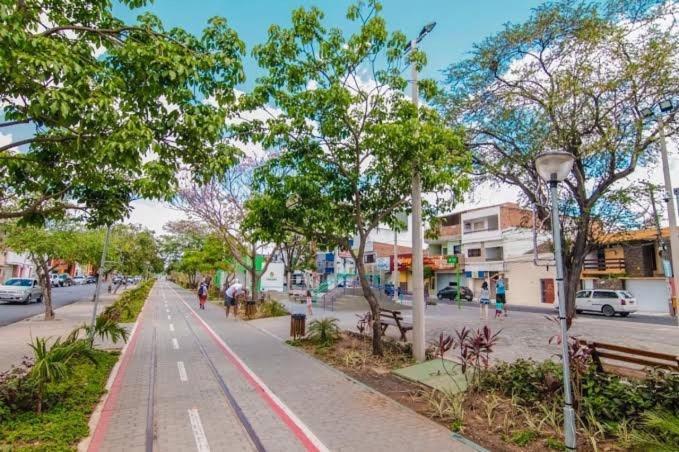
<point>14,338</point>
<point>197,381</point>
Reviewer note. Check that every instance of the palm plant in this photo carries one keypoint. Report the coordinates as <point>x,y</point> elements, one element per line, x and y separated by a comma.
<point>324,332</point>
<point>106,328</point>
<point>51,363</point>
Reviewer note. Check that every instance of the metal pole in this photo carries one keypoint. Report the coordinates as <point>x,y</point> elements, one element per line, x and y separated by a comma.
<point>568,412</point>
<point>671,216</point>
<point>101,274</point>
<point>394,273</point>
<point>418,271</point>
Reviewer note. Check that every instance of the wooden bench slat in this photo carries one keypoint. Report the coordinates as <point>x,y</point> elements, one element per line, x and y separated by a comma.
<point>632,351</point>
<point>635,360</point>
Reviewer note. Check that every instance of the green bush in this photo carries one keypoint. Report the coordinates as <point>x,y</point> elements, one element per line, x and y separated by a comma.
<point>272,308</point>
<point>128,306</point>
<point>64,421</point>
<point>659,432</point>
<point>324,332</point>
<point>525,380</point>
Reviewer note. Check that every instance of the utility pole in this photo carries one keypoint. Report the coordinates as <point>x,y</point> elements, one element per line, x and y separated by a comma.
<point>101,272</point>
<point>394,273</point>
<point>672,217</point>
<point>662,243</point>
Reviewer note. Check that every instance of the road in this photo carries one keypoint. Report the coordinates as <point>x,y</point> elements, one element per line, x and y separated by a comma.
<point>61,296</point>
<point>193,380</point>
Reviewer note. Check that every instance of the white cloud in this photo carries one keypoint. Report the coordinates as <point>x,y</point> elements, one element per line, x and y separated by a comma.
<point>5,139</point>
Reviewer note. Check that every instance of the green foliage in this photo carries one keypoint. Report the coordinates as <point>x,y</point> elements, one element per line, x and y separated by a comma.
<point>68,405</point>
<point>554,444</point>
<point>660,432</point>
<point>128,306</point>
<point>104,328</point>
<point>119,107</point>
<point>272,308</point>
<point>525,380</point>
<point>324,332</point>
<point>523,438</point>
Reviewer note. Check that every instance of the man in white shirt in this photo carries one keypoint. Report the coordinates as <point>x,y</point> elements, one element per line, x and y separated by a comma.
<point>230,295</point>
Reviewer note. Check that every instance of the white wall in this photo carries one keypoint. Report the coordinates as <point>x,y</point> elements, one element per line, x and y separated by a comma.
<point>524,282</point>
<point>274,277</point>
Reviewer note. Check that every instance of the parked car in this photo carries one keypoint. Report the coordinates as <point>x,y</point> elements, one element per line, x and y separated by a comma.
<point>117,279</point>
<point>608,302</point>
<point>92,279</point>
<point>79,280</point>
<point>24,290</point>
<point>65,280</point>
<point>54,280</point>
<point>450,293</point>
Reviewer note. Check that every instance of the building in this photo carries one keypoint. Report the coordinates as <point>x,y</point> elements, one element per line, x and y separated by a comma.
<point>632,261</point>
<point>485,242</point>
<point>14,265</point>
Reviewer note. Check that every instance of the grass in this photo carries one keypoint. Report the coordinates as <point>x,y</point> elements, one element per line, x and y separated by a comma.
<point>64,421</point>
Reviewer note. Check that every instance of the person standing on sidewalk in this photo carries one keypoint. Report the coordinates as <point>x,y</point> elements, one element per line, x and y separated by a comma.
<point>484,300</point>
<point>500,297</point>
<point>230,295</point>
<point>309,301</point>
<point>202,294</point>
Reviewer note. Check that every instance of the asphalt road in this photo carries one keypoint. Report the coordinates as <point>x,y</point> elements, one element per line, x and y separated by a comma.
<point>61,296</point>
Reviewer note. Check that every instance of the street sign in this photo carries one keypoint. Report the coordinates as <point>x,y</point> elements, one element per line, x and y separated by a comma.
<point>452,259</point>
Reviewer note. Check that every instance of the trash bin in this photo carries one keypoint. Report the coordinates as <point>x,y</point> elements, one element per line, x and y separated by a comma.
<point>297,325</point>
<point>250,309</point>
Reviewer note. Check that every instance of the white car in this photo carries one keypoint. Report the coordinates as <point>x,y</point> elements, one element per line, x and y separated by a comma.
<point>23,290</point>
<point>608,302</point>
<point>79,280</point>
<point>54,280</point>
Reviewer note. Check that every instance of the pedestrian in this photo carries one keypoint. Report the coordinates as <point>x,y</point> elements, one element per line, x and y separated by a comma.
<point>309,301</point>
<point>426,296</point>
<point>501,292</point>
<point>202,294</point>
<point>230,295</point>
<point>484,300</point>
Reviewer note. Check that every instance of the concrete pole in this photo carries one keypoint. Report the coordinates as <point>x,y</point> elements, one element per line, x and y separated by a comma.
<point>568,412</point>
<point>102,262</point>
<point>418,271</point>
<point>394,273</point>
<point>672,217</point>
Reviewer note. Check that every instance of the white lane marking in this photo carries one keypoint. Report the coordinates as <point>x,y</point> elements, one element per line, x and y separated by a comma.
<point>258,382</point>
<point>171,327</point>
<point>175,344</point>
<point>182,371</point>
<point>198,432</point>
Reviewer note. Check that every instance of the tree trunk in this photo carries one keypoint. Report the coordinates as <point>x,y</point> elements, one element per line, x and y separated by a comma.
<point>372,302</point>
<point>574,260</point>
<point>43,271</point>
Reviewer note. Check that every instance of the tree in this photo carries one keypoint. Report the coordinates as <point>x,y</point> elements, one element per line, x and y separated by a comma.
<point>297,253</point>
<point>574,77</point>
<point>220,205</point>
<point>47,247</point>
<point>133,250</point>
<point>348,147</point>
<point>117,109</point>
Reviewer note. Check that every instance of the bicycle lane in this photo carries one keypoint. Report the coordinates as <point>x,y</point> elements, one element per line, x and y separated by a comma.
<point>338,412</point>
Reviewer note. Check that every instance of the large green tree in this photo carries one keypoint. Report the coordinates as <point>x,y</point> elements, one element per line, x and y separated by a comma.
<point>349,139</point>
<point>574,77</point>
<point>115,109</point>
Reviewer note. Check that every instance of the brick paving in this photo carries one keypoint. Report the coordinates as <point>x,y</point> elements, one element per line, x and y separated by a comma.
<point>340,413</point>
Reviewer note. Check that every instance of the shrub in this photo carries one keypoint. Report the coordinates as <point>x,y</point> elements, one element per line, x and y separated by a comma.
<point>324,332</point>
<point>272,308</point>
<point>17,392</point>
<point>128,306</point>
<point>524,379</point>
<point>660,432</point>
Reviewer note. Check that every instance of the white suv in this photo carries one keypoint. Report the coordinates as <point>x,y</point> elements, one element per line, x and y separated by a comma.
<point>608,302</point>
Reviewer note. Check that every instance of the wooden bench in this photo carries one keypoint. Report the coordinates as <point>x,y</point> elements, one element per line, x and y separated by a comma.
<point>389,317</point>
<point>619,357</point>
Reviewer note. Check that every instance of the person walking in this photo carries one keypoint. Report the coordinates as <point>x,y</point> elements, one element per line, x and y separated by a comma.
<point>202,294</point>
<point>484,300</point>
<point>500,297</point>
<point>309,301</point>
<point>230,295</point>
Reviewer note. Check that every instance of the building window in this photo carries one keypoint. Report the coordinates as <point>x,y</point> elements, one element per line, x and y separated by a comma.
<point>474,252</point>
<point>369,258</point>
<point>457,249</point>
<point>444,251</point>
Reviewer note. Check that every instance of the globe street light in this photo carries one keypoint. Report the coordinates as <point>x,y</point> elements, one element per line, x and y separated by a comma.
<point>666,107</point>
<point>553,167</point>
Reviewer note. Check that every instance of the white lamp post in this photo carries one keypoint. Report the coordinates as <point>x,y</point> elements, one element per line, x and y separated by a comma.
<point>553,167</point>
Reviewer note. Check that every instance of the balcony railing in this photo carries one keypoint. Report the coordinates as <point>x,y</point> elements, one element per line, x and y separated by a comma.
<point>448,231</point>
<point>606,266</point>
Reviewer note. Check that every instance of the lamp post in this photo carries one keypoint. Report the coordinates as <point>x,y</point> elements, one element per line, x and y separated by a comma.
<point>418,255</point>
<point>553,167</point>
<point>666,107</point>
<point>98,284</point>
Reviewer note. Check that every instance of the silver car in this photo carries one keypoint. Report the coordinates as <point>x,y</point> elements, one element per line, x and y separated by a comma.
<point>22,290</point>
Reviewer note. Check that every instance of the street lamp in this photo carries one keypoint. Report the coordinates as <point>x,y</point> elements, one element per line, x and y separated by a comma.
<point>553,167</point>
<point>666,106</point>
<point>418,255</point>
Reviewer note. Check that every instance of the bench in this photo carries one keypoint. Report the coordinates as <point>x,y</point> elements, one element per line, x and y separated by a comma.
<point>620,356</point>
<point>394,318</point>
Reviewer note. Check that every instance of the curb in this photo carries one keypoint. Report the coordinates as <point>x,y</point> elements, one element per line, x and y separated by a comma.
<point>84,444</point>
